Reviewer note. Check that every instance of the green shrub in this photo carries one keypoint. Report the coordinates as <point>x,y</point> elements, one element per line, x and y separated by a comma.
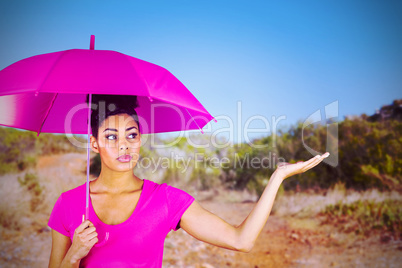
<point>26,162</point>
<point>370,156</point>
<point>31,183</point>
<point>19,149</point>
<point>364,217</point>
<point>8,219</point>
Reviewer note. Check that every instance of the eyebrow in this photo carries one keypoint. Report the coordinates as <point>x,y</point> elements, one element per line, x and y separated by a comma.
<point>113,129</point>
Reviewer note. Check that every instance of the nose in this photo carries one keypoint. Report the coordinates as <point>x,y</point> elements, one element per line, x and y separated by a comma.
<point>123,146</point>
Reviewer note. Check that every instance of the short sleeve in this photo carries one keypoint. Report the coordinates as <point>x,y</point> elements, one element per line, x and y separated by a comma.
<point>178,202</point>
<point>57,220</point>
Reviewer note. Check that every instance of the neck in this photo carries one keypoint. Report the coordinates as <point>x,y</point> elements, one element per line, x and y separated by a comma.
<point>116,182</point>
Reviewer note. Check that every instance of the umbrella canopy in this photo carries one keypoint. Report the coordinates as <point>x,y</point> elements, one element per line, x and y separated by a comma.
<point>47,92</point>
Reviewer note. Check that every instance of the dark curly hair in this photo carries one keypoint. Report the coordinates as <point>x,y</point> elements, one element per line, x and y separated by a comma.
<point>107,105</point>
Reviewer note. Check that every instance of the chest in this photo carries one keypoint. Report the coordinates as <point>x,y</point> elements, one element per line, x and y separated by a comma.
<point>115,209</point>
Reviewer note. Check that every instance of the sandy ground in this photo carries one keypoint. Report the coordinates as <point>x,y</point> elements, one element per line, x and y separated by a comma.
<point>286,241</point>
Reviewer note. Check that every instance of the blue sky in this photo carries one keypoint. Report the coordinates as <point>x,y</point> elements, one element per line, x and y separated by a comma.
<point>278,58</point>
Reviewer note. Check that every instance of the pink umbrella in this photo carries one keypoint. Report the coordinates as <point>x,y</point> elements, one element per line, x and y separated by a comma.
<point>39,92</point>
<point>47,93</point>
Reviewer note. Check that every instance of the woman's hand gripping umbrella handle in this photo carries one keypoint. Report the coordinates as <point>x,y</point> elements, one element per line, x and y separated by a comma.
<point>99,244</point>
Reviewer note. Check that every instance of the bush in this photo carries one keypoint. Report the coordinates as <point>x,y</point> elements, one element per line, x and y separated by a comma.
<point>31,183</point>
<point>370,155</point>
<point>26,162</point>
<point>20,149</point>
<point>9,219</point>
<point>14,146</point>
<point>364,217</point>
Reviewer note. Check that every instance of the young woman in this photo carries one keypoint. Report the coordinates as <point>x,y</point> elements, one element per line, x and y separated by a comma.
<point>138,213</point>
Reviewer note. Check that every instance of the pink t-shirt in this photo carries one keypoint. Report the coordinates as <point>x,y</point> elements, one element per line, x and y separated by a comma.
<point>137,242</point>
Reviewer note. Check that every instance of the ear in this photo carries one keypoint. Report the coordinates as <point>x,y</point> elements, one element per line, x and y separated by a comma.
<point>94,144</point>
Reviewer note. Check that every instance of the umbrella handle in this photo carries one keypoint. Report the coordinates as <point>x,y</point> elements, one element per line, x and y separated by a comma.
<point>87,183</point>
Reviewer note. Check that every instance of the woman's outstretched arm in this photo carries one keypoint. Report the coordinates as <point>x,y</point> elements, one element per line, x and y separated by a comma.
<point>210,228</point>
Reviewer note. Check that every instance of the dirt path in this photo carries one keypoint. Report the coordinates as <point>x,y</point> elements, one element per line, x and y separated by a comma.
<point>284,242</point>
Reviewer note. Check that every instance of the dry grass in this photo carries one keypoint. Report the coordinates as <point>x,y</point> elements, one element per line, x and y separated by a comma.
<point>15,203</point>
<point>55,174</point>
<point>308,204</point>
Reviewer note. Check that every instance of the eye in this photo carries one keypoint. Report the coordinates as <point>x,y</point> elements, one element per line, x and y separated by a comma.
<point>132,135</point>
<point>111,137</point>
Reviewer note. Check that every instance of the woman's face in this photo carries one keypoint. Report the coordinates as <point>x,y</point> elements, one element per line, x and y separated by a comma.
<point>118,142</point>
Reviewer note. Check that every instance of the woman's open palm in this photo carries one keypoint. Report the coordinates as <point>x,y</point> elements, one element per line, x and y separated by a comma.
<point>287,170</point>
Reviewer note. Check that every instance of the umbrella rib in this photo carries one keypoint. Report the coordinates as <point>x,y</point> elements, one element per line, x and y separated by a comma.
<point>47,113</point>
<point>152,97</point>
<point>40,87</point>
<point>139,74</point>
<point>194,121</point>
<point>50,70</point>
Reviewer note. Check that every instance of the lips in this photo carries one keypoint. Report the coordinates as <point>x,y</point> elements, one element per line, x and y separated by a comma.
<point>124,158</point>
